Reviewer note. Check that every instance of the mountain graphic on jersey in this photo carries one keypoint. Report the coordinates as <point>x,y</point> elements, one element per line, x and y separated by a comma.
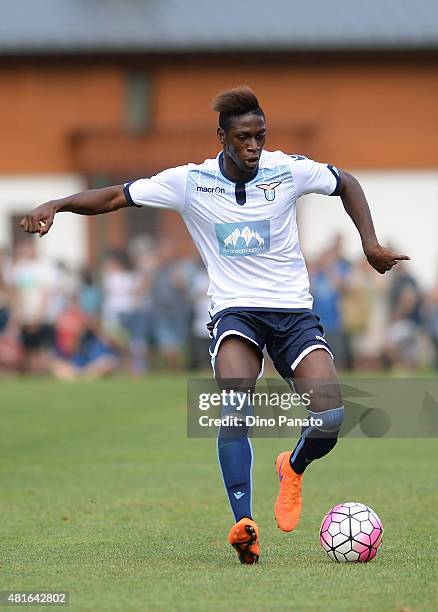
<point>237,239</point>
<point>247,234</point>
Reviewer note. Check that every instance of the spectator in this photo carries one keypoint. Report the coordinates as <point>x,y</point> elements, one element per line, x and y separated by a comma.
<point>83,352</point>
<point>69,327</point>
<point>90,296</point>
<point>118,293</point>
<point>405,317</point>
<point>364,314</point>
<point>431,316</point>
<point>5,293</point>
<point>140,321</point>
<point>171,304</point>
<point>11,350</point>
<point>327,279</point>
<point>64,285</point>
<point>33,285</point>
<point>200,339</point>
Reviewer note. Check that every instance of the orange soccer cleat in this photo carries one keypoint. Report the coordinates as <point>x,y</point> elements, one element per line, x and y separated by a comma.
<point>287,508</point>
<point>244,537</point>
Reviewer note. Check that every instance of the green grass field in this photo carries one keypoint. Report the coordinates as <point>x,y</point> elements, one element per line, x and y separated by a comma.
<point>104,496</point>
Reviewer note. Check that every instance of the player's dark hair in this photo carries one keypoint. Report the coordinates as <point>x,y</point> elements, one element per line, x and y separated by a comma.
<point>234,102</point>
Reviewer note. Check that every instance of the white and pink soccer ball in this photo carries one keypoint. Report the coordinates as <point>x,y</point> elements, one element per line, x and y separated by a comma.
<point>351,533</point>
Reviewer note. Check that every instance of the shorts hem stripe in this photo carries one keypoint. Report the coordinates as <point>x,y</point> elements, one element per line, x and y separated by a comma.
<point>233,332</point>
<point>308,350</point>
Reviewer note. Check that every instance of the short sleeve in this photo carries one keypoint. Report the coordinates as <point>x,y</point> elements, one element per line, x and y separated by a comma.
<point>164,190</point>
<point>314,177</point>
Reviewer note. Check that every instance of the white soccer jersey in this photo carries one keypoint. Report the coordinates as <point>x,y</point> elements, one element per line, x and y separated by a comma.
<point>246,233</point>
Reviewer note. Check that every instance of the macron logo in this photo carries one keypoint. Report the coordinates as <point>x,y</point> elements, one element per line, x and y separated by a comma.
<point>239,494</point>
<point>220,190</point>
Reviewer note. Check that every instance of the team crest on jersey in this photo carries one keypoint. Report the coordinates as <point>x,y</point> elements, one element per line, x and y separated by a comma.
<point>237,239</point>
<point>269,189</point>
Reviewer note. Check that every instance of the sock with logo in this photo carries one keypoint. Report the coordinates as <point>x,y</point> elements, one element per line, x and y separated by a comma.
<point>235,459</point>
<point>316,442</point>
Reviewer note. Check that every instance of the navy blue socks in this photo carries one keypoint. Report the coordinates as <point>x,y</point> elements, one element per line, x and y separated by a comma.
<point>316,442</point>
<point>235,459</point>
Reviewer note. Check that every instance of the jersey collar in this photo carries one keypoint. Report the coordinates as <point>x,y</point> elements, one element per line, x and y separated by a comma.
<point>227,176</point>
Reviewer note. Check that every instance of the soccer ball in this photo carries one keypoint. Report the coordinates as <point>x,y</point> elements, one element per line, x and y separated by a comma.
<point>351,533</point>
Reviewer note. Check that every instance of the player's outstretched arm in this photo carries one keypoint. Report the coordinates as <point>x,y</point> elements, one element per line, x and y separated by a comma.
<point>92,202</point>
<point>356,205</point>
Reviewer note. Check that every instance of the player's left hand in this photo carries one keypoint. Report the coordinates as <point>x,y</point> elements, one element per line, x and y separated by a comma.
<point>382,259</point>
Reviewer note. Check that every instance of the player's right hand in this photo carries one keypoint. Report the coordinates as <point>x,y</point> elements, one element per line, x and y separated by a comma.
<point>39,220</point>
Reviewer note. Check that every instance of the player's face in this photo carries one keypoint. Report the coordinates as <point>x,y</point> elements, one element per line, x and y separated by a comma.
<point>243,142</point>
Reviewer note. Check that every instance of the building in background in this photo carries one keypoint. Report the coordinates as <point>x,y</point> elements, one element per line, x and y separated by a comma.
<point>96,93</point>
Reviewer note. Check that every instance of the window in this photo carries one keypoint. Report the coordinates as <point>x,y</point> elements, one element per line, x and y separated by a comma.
<point>138,101</point>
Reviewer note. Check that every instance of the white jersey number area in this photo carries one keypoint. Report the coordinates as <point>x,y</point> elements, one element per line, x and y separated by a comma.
<point>246,233</point>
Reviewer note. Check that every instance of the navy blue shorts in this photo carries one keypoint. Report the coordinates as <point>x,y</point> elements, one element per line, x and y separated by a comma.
<point>287,336</point>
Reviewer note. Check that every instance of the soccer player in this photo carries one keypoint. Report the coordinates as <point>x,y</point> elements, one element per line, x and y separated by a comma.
<point>240,209</point>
